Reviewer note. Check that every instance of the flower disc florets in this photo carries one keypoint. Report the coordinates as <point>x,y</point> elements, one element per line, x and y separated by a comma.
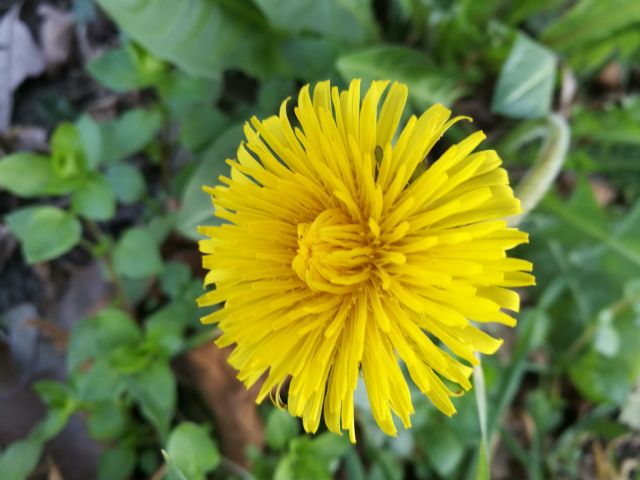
<point>340,258</point>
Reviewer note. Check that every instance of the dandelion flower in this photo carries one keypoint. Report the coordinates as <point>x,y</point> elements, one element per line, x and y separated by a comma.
<point>341,255</point>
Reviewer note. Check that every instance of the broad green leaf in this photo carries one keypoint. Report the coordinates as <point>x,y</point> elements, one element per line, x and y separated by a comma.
<point>328,18</point>
<point>127,68</point>
<point>136,254</point>
<point>196,204</point>
<point>126,181</point>
<point>98,336</point>
<point>116,70</point>
<point>281,427</point>
<point>600,379</point>
<point>293,467</point>
<point>52,393</point>
<point>155,391</point>
<point>19,459</point>
<point>115,140</point>
<point>44,232</point>
<point>525,85</point>
<point>202,37</point>
<point>175,278</point>
<point>165,327</point>
<point>101,381</point>
<point>175,472</point>
<point>94,199</point>
<point>26,174</point>
<point>117,463</point>
<point>427,84</point>
<point>446,454</point>
<point>192,450</point>
<point>329,446</point>
<point>107,420</point>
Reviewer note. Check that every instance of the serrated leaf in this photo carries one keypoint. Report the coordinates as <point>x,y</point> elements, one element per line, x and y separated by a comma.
<point>525,85</point>
<point>427,84</point>
<point>44,232</point>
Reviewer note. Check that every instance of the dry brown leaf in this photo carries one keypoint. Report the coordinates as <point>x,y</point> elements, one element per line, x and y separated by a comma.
<point>20,58</point>
<point>56,33</point>
<point>232,405</point>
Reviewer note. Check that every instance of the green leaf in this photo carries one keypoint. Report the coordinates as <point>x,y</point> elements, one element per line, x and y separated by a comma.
<point>26,174</point>
<point>107,421</point>
<point>176,474</point>
<point>44,232</point>
<point>19,459</point>
<point>427,84</point>
<point>525,85</point>
<point>328,18</point>
<point>54,394</point>
<point>600,379</point>
<point>115,140</point>
<point>329,446</point>
<point>612,125</point>
<point>196,204</point>
<point>155,391</point>
<point>192,450</point>
<point>136,254</point>
<point>98,336</point>
<point>94,199</point>
<point>115,70</point>
<point>67,151</point>
<point>101,382</point>
<point>302,465</point>
<point>202,37</point>
<point>590,22</point>
<point>117,463</point>
<point>446,454</point>
<point>175,278</point>
<point>281,427</point>
<point>166,326</point>
<point>118,70</point>
<point>127,182</point>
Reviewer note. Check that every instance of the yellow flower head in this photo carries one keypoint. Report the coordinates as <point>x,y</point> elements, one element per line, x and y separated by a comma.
<point>342,255</point>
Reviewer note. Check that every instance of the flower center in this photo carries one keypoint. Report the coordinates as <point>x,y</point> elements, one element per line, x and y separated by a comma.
<point>334,255</point>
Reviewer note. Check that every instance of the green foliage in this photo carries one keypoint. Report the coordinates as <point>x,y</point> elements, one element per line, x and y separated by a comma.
<point>44,232</point>
<point>236,36</point>
<point>427,85</point>
<point>136,254</point>
<point>525,85</point>
<point>187,75</point>
<point>280,428</point>
<point>192,451</point>
<point>13,179</point>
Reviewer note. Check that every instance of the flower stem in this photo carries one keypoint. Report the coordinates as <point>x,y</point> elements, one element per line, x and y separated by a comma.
<point>541,176</point>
